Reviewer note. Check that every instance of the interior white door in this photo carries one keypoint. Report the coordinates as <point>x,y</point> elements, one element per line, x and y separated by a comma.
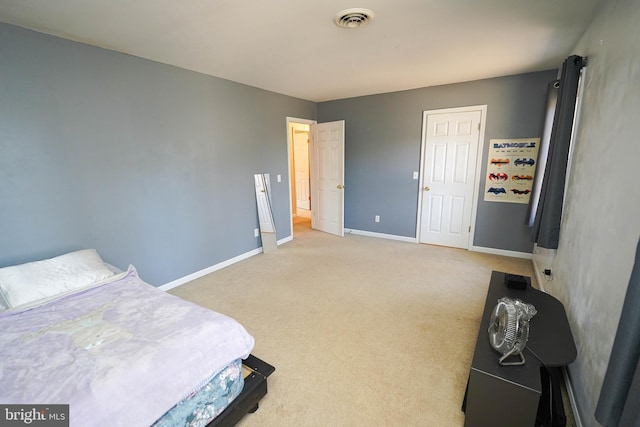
<point>301,168</point>
<point>327,181</point>
<point>450,141</point>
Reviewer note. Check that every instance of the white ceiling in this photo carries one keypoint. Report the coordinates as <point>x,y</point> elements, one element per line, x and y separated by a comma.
<point>293,47</point>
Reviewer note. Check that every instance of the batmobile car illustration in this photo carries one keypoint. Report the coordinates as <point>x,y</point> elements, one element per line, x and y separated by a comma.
<point>497,191</point>
<point>523,162</point>
<point>500,162</point>
<point>498,177</point>
<point>516,191</point>
<point>522,177</point>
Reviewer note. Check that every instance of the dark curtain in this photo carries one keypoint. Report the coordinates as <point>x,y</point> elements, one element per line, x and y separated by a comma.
<point>543,152</point>
<point>546,227</point>
<point>619,403</point>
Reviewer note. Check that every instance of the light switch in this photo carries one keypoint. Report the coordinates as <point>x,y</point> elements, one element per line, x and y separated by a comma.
<point>416,175</point>
<point>279,178</point>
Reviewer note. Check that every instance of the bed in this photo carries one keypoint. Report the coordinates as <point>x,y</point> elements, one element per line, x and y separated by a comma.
<point>118,351</point>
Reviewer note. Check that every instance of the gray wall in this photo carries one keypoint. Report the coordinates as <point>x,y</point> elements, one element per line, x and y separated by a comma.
<point>382,150</point>
<point>601,221</point>
<point>150,164</point>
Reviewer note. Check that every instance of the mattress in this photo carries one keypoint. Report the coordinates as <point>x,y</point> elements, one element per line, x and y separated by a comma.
<point>198,409</point>
<point>120,354</point>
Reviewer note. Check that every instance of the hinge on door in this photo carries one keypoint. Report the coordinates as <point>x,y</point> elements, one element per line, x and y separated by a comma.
<point>478,127</point>
<point>469,229</point>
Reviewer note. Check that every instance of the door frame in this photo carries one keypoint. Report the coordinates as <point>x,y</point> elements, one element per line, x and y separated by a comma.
<point>289,154</point>
<point>479,162</point>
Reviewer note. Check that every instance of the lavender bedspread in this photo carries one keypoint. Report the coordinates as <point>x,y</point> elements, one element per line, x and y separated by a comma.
<point>121,354</point>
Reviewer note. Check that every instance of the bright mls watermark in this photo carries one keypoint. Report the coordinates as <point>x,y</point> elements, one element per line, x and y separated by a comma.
<point>34,415</point>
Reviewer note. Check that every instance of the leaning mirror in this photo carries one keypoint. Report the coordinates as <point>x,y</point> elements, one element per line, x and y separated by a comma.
<point>265,214</point>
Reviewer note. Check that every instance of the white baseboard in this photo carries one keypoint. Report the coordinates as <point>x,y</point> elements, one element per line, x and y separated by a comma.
<point>502,252</point>
<point>572,398</point>
<point>380,235</point>
<point>219,266</point>
<point>541,280</point>
<point>493,251</point>
<point>285,240</point>
<point>204,272</point>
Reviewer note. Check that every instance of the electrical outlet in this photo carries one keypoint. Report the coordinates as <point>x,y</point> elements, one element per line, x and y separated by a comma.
<point>377,218</point>
<point>256,232</point>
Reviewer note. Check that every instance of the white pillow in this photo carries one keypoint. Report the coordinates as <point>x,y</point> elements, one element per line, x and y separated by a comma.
<point>41,280</point>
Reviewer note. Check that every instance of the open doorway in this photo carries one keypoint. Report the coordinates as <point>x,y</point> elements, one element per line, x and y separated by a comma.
<point>299,133</point>
<point>317,193</point>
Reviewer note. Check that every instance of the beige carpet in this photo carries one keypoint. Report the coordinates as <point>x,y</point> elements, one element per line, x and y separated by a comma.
<point>362,331</point>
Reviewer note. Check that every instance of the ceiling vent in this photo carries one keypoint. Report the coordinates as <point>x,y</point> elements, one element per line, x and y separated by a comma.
<point>354,18</point>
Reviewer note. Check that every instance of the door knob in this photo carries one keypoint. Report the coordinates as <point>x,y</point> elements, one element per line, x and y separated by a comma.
<point>426,189</point>
<point>340,186</point>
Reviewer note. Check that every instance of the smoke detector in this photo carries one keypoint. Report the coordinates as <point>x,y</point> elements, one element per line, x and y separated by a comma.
<point>354,18</point>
